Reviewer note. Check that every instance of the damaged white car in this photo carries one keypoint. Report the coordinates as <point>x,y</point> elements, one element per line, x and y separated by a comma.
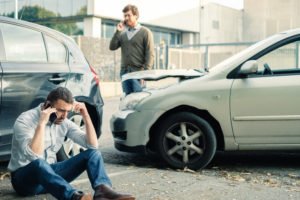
<point>248,102</point>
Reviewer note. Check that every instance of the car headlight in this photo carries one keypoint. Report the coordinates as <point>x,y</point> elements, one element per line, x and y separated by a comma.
<point>131,100</point>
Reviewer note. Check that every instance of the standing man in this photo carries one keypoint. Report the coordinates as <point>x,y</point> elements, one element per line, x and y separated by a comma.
<point>38,135</point>
<point>137,47</point>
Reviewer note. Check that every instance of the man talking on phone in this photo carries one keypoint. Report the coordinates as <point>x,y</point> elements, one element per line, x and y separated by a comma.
<point>137,47</point>
<point>36,140</point>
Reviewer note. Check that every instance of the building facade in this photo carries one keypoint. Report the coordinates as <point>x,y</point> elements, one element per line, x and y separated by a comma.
<point>268,17</point>
<point>207,23</point>
<point>178,37</point>
<point>82,17</point>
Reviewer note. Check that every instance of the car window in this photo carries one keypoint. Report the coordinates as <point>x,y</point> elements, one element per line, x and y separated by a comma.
<point>56,50</point>
<point>23,44</point>
<point>284,58</point>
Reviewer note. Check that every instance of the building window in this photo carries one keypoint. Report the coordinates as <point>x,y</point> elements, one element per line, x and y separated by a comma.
<point>66,27</point>
<point>108,30</point>
<point>6,7</point>
<point>33,10</point>
<point>169,38</point>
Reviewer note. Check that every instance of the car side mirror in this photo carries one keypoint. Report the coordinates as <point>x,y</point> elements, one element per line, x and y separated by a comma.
<point>249,67</point>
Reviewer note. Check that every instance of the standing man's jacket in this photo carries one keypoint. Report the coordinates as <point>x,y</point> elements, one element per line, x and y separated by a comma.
<point>138,52</point>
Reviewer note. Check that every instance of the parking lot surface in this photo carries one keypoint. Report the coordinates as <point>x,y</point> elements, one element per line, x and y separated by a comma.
<point>230,176</point>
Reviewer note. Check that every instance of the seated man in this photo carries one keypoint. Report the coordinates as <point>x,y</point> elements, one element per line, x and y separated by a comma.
<point>38,135</point>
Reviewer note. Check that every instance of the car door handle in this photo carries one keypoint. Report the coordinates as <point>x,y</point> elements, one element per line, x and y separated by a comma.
<point>57,80</point>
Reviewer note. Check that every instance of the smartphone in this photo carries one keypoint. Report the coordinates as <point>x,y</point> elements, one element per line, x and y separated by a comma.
<point>52,116</point>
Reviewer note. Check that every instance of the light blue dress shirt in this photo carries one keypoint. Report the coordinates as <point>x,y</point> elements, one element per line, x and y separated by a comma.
<point>132,31</point>
<point>24,129</point>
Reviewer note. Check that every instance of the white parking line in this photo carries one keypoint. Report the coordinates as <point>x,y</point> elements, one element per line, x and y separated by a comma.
<point>77,182</point>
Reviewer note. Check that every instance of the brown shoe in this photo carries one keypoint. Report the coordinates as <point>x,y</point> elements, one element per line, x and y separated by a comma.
<point>104,192</point>
<point>78,195</point>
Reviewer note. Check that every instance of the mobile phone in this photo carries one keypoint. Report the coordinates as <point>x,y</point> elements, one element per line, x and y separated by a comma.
<point>52,116</point>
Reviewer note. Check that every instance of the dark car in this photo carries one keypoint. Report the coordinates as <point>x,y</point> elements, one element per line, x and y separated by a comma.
<point>33,61</point>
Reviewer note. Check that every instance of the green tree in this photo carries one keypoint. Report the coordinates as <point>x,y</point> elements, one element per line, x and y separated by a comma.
<point>47,18</point>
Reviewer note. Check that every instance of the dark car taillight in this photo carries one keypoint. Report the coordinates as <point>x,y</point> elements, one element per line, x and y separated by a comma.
<point>96,77</point>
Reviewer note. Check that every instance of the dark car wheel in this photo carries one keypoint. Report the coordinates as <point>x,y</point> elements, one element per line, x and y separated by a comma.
<point>186,140</point>
<point>69,148</point>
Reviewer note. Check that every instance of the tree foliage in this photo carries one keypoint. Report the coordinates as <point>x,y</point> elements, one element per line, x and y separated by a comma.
<point>40,15</point>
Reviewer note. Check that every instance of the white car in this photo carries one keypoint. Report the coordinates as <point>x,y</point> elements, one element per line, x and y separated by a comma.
<point>248,102</point>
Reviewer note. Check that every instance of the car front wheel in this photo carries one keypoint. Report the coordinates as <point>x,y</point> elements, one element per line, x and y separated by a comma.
<point>186,140</point>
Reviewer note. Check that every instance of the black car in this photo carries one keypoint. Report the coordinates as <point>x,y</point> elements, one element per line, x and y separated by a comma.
<point>33,61</point>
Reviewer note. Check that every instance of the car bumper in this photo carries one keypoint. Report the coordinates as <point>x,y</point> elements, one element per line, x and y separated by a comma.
<point>130,129</point>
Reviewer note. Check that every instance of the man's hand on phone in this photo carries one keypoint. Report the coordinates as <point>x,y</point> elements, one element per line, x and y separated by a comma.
<point>45,114</point>
<point>121,26</point>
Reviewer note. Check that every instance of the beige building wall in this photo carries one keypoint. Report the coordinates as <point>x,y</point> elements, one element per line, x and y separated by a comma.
<point>186,20</point>
<point>220,24</point>
<point>266,17</point>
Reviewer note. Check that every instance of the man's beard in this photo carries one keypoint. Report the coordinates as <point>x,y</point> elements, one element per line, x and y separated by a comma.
<point>58,121</point>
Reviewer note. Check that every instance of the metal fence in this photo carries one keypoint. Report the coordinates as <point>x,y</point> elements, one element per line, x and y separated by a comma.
<point>107,63</point>
<point>195,56</point>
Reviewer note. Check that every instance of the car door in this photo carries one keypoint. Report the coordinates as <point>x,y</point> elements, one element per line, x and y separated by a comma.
<point>265,107</point>
<point>30,70</point>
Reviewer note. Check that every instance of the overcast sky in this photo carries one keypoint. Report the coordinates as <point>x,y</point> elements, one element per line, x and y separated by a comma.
<point>153,9</point>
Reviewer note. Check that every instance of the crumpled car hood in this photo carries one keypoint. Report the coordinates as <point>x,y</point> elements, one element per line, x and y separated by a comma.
<point>161,74</point>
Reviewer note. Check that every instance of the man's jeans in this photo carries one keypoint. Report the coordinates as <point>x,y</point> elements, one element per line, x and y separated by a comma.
<point>39,177</point>
<point>131,85</point>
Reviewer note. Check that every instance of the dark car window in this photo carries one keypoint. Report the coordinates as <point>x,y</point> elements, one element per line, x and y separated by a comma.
<point>23,44</point>
<point>56,50</point>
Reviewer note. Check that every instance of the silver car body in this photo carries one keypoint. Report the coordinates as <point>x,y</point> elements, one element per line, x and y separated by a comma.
<point>258,112</point>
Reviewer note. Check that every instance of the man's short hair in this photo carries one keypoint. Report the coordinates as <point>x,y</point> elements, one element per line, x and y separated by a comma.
<point>60,93</point>
<point>133,9</point>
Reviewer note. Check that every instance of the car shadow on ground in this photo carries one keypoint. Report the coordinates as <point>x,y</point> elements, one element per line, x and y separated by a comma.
<point>250,160</point>
<point>240,161</point>
<point>253,160</point>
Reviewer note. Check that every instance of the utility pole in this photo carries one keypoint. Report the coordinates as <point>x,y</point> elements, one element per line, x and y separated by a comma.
<point>16,9</point>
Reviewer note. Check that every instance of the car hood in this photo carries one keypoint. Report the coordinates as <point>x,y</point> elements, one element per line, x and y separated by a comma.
<point>161,74</point>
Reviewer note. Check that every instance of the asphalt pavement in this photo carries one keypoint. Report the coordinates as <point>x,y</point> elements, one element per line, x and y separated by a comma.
<point>230,176</point>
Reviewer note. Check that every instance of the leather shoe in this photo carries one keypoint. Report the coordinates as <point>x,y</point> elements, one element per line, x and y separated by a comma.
<point>104,192</point>
<point>79,195</point>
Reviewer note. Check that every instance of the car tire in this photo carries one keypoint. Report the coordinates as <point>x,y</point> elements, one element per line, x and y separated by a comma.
<point>186,140</point>
<point>69,148</point>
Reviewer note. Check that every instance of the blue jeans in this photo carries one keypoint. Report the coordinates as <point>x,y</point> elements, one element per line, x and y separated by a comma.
<point>131,85</point>
<point>39,177</point>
